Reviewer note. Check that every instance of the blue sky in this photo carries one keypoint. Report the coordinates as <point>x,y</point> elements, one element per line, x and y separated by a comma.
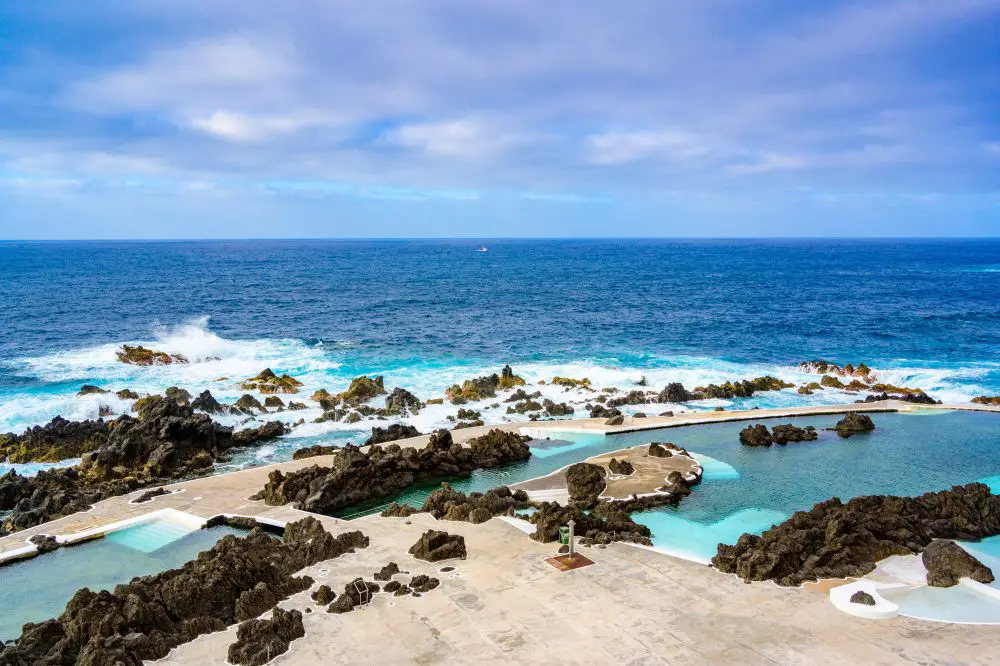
<point>184,119</point>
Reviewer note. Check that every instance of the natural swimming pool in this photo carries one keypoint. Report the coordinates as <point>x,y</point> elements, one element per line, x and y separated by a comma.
<point>749,489</point>
<point>38,589</point>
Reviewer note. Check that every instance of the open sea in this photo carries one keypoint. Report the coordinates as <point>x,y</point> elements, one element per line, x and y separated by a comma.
<point>427,313</point>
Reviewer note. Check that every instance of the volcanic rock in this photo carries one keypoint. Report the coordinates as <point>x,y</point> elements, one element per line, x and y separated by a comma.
<point>392,433</point>
<point>854,423</point>
<point>435,545</point>
<point>946,562</point>
<point>259,641</point>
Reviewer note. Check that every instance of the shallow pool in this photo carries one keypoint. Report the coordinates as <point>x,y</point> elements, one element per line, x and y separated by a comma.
<point>750,489</point>
<point>38,589</point>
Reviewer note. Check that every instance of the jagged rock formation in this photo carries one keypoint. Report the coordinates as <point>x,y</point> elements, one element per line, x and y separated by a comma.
<point>759,435</point>
<point>525,407</point>
<point>918,398</point>
<point>274,402</point>
<point>742,389</point>
<point>401,402</point>
<point>268,383</point>
<point>838,540</point>
<point>674,392</point>
<point>821,367</point>
<point>620,466</point>
<point>615,420</point>
<point>142,356</point>
<point>315,450</point>
<point>260,641</point>
<point>570,382</point>
<point>247,404</point>
<point>59,439</point>
<point>90,389</point>
<point>127,394</point>
<point>854,423</point>
<point>556,409</point>
<point>990,400</point>
<point>479,388</point>
<point>585,482</point>
<point>601,412</point>
<point>392,433</point>
<point>167,441</point>
<point>946,562</point>
<point>147,617</point>
<point>435,545</point>
<point>357,477</point>
<point>362,389</point>
<point>630,398</point>
<point>448,504</point>
<point>398,511</point>
<point>178,395</point>
<point>207,403</point>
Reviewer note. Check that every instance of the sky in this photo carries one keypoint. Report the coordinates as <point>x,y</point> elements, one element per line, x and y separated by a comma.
<point>498,118</point>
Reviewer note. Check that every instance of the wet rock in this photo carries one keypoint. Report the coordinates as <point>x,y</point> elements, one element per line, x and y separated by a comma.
<point>295,406</point>
<point>144,356</point>
<point>402,402</point>
<point>630,398</point>
<point>57,440</point>
<point>127,394</point>
<point>178,395</point>
<point>838,540</point>
<point>556,409</point>
<point>620,466</point>
<point>274,402</point>
<point>585,483</point>
<point>361,390</point>
<point>268,431</point>
<point>207,403</point>
<point>326,400</point>
<point>831,382</point>
<point>435,545</point>
<point>45,543</point>
<point>741,389</point>
<point>946,562</point>
<point>787,433</point>
<point>267,382</point>
<point>854,423</point>
<point>918,398</point>
<point>392,433</point>
<point>90,389</point>
<point>508,379</point>
<point>674,392</point>
<point>570,382</point>
<point>260,641</point>
<point>989,400</point>
<point>316,450</point>
<point>602,412</point>
<point>247,404</point>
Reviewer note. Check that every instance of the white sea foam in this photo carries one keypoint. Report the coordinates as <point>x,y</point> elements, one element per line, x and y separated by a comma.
<point>219,364</point>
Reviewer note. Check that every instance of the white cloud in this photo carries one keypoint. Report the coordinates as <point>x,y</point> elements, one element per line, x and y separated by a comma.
<point>194,75</point>
<point>468,139</point>
<point>236,126</point>
<point>615,148</point>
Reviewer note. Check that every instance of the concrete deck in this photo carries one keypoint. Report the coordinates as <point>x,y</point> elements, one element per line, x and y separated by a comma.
<point>634,606</point>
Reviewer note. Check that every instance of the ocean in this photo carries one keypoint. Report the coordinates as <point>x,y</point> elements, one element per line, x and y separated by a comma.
<point>428,313</point>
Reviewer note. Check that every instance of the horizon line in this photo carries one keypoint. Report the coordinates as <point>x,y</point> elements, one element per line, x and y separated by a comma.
<point>483,238</point>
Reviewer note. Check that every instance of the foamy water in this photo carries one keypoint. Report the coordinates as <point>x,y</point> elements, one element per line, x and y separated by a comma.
<point>219,364</point>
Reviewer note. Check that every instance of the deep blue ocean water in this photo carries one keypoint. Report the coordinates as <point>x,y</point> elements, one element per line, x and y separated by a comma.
<point>428,313</point>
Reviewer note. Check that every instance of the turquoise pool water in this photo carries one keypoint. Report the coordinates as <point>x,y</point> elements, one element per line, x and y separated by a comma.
<point>38,589</point>
<point>750,489</point>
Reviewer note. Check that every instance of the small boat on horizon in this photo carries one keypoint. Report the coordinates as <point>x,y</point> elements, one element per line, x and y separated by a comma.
<point>484,249</point>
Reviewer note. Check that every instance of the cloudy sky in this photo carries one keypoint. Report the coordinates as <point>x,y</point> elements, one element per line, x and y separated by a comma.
<point>216,118</point>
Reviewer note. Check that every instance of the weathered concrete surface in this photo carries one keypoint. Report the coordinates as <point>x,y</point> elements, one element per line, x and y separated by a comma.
<point>634,606</point>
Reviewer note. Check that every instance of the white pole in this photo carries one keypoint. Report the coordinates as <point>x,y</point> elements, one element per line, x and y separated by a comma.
<point>571,523</point>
